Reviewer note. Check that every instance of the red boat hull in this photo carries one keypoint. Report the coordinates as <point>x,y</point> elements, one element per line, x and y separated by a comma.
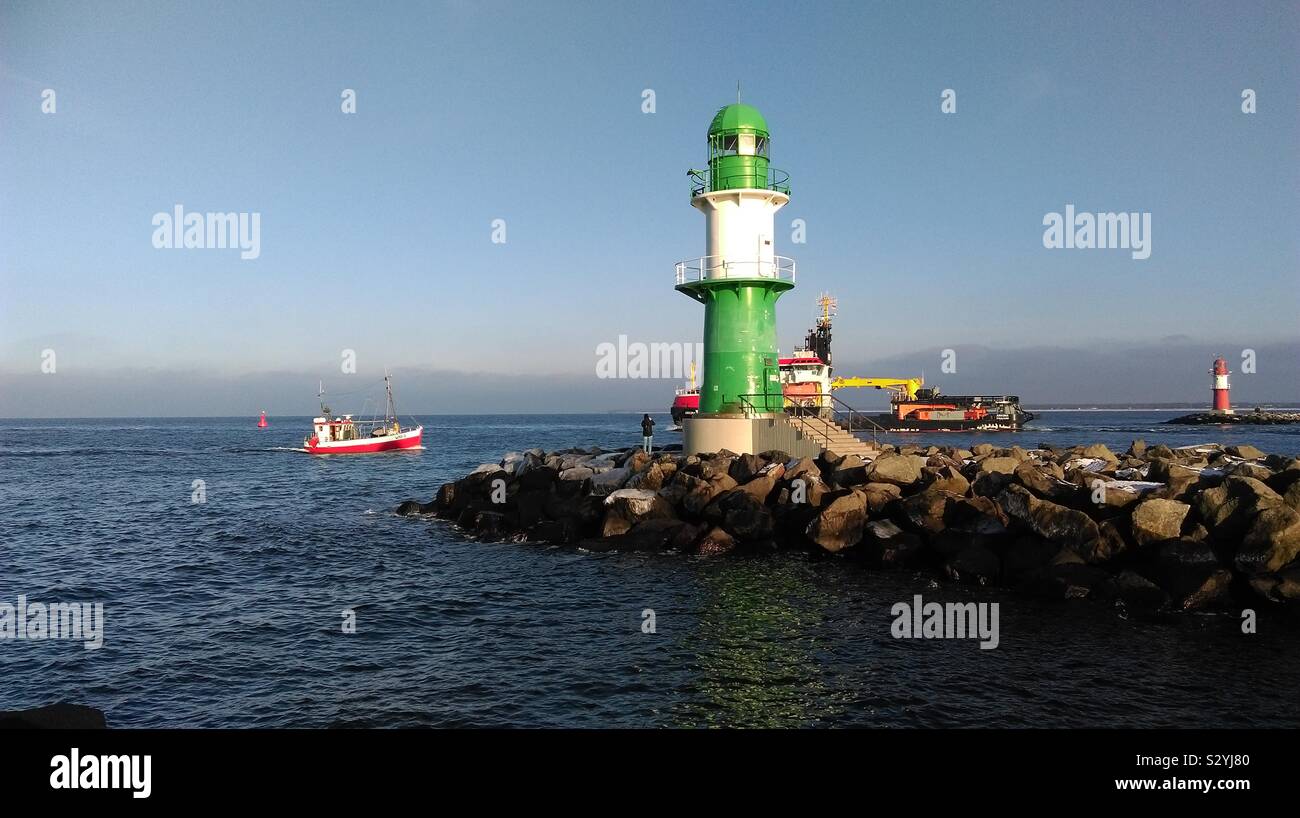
<point>406,440</point>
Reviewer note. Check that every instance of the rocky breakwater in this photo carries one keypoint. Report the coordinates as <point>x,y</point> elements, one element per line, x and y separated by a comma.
<point>1192,528</point>
<point>1259,417</point>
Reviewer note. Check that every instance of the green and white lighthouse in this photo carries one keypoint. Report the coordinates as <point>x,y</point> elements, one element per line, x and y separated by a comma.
<point>738,280</point>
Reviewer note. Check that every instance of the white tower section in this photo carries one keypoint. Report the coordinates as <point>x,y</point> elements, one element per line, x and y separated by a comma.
<point>739,233</point>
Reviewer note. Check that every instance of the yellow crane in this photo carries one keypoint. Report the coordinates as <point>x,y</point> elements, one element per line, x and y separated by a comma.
<point>903,386</point>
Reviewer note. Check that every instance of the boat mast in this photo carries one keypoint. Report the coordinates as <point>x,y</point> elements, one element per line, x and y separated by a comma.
<point>392,407</point>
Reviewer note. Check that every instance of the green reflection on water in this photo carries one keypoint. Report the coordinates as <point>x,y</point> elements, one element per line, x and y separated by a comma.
<point>756,652</point>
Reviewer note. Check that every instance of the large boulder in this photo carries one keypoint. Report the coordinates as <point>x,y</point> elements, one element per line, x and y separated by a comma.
<point>1098,450</point>
<point>839,524</point>
<point>1156,520</point>
<point>626,508</point>
<point>1227,510</point>
<point>974,515</point>
<point>745,467</point>
<point>610,480</point>
<point>879,495</point>
<point>1272,540</point>
<point>998,465</point>
<point>577,473</point>
<point>925,510</point>
<point>740,515</point>
<point>1245,452</point>
<point>900,470</point>
<point>947,478</point>
<point>1065,526</point>
<point>1044,485</point>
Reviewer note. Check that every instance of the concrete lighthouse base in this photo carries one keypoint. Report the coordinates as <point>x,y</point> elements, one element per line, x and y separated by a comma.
<point>745,434</point>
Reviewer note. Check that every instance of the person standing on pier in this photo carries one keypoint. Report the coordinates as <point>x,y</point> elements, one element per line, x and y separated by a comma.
<point>647,431</point>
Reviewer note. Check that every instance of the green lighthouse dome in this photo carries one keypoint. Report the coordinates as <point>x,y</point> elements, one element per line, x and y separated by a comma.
<point>738,117</point>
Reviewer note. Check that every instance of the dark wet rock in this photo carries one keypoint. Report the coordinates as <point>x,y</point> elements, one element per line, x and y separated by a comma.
<point>1138,591</point>
<point>991,484</point>
<point>554,532</point>
<point>1069,581</point>
<point>1190,573</point>
<point>61,716</point>
<point>890,546</point>
<point>716,542</point>
<point>839,524</point>
<point>976,565</point>
<point>1027,554</point>
<point>410,508</point>
<point>491,525</point>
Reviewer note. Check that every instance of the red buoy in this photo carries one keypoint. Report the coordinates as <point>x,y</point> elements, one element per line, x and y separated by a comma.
<point>1220,386</point>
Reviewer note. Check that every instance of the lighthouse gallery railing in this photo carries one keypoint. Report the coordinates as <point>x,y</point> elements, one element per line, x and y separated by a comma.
<point>703,181</point>
<point>707,267</point>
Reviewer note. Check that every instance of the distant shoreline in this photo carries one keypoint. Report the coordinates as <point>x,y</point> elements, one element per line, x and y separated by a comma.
<point>1243,409</point>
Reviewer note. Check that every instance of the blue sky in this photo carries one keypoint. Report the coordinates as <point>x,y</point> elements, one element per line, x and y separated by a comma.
<point>376,227</point>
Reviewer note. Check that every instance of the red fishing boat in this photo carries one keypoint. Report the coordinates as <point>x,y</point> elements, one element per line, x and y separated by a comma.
<point>346,435</point>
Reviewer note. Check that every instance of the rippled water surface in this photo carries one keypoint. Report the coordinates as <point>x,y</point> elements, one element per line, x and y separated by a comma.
<point>229,612</point>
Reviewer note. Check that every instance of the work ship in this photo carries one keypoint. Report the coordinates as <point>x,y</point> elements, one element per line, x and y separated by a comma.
<point>807,384</point>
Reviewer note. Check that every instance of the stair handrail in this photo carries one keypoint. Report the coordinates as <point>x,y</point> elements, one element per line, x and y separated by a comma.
<point>854,417</point>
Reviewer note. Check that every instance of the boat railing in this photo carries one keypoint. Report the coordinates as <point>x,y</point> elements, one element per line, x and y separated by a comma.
<point>711,267</point>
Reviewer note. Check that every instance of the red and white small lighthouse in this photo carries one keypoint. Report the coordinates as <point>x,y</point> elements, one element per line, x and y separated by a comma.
<point>1220,387</point>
